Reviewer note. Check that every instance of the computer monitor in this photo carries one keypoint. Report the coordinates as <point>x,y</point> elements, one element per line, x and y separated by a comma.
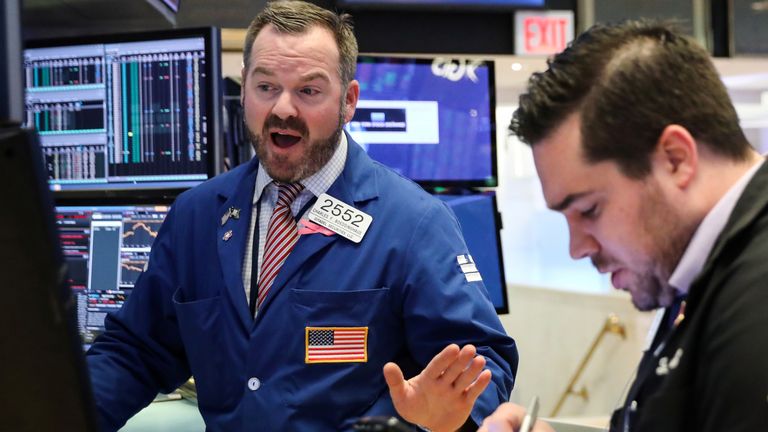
<point>499,5</point>
<point>106,248</point>
<point>126,112</point>
<point>44,381</point>
<point>432,120</point>
<point>480,223</point>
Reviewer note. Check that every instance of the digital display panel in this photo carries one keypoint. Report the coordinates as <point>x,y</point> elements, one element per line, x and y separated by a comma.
<point>106,249</point>
<point>431,120</point>
<point>461,4</point>
<point>125,112</point>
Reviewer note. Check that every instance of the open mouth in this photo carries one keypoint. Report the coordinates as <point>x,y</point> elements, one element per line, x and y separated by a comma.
<point>283,140</point>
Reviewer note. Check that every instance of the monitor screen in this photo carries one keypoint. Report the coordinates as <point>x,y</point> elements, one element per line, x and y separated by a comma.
<point>480,223</point>
<point>106,249</point>
<point>431,120</point>
<point>445,4</point>
<point>126,112</point>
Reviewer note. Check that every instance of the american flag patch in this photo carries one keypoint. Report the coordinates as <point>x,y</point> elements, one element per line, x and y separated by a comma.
<point>336,344</point>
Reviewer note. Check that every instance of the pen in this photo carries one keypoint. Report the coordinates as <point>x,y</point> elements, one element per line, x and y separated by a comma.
<point>530,415</point>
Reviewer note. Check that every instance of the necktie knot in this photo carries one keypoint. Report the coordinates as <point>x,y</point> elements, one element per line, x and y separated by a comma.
<point>287,192</point>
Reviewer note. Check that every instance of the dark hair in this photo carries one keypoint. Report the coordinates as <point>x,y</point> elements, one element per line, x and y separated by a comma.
<point>628,82</point>
<point>298,17</point>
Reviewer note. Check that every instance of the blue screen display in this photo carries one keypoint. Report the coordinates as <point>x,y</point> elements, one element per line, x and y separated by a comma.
<point>459,3</point>
<point>477,216</point>
<point>432,120</point>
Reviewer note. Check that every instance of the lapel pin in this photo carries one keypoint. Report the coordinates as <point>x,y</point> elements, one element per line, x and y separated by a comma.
<point>232,212</point>
<point>227,235</point>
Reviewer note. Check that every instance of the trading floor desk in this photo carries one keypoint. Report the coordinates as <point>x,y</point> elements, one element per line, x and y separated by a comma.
<point>167,416</point>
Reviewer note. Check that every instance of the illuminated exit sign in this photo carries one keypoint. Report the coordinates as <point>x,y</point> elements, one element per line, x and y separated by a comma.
<point>542,32</point>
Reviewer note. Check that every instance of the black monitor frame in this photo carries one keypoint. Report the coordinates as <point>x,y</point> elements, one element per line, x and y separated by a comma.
<point>427,60</point>
<point>212,40</point>
<point>45,381</point>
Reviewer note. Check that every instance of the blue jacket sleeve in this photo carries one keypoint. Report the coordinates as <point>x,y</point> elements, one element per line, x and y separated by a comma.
<point>140,353</point>
<point>440,306</point>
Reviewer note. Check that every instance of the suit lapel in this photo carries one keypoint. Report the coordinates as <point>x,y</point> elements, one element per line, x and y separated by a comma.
<point>231,240</point>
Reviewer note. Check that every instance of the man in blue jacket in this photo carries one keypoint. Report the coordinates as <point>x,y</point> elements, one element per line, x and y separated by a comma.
<point>286,285</point>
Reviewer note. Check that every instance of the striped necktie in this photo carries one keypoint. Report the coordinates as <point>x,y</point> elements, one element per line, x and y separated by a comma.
<point>282,235</point>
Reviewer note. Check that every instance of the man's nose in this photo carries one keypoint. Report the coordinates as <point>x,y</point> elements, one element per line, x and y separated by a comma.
<point>284,106</point>
<point>582,243</point>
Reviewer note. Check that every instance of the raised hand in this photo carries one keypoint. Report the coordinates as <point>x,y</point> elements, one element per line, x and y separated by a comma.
<point>441,397</point>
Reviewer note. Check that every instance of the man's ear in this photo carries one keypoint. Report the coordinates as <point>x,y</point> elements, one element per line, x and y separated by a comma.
<point>350,100</point>
<point>242,85</point>
<point>676,155</point>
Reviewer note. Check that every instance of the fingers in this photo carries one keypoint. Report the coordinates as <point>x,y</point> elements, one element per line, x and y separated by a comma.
<point>441,361</point>
<point>507,417</point>
<point>395,380</point>
<point>477,387</point>
<point>455,369</point>
<point>470,374</point>
<point>542,426</point>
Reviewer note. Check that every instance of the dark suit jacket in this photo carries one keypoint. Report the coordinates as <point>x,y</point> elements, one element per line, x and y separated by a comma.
<point>710,373</point>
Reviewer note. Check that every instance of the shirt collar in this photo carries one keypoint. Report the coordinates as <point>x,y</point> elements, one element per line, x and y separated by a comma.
<point>703,240</point>
<point>319,182</point>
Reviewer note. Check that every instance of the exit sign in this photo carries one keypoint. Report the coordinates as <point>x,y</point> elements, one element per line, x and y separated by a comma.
<point>542,32</point>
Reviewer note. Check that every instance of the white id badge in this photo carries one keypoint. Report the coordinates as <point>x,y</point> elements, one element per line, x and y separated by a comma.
<point>340,217</point>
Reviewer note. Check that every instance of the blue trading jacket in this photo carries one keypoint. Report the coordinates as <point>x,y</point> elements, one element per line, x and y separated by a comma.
<point>188,314</point>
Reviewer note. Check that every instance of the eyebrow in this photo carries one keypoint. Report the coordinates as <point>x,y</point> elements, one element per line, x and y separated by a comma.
<point>306,78</point>
<point>568,200</point>
<point>262,70</point>
<point>315,75</point>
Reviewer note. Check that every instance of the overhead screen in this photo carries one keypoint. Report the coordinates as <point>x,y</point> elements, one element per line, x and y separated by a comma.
<point>480,224</point>
<point>106,249</point>
<point>462,4</point>
<point>126,112</point>
<point>432,120</point>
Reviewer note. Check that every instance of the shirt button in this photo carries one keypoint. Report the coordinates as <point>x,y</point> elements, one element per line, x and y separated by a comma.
<point>254,383</point>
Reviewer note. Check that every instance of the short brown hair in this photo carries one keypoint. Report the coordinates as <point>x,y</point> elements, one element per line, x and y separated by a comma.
<point>629,81</point>
<point>298,17</point>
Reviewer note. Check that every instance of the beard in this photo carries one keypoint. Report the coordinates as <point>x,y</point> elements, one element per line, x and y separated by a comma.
<point>667,234</point>
<point>317,153</point>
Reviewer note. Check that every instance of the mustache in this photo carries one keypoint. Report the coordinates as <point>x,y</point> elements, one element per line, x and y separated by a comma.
<point>292,123</point>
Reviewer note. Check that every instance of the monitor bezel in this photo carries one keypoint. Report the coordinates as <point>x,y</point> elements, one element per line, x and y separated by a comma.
<point>492,181</point>
<point>212,40</point>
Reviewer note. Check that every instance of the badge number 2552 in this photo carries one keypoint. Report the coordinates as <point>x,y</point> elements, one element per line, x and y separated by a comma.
<point>340,217</point>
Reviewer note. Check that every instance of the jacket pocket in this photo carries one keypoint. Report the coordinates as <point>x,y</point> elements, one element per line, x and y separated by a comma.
<point>352,308</point>
<point>205,341</point>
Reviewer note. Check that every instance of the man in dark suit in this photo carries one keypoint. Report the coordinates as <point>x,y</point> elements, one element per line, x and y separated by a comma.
<point>637,143</point>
